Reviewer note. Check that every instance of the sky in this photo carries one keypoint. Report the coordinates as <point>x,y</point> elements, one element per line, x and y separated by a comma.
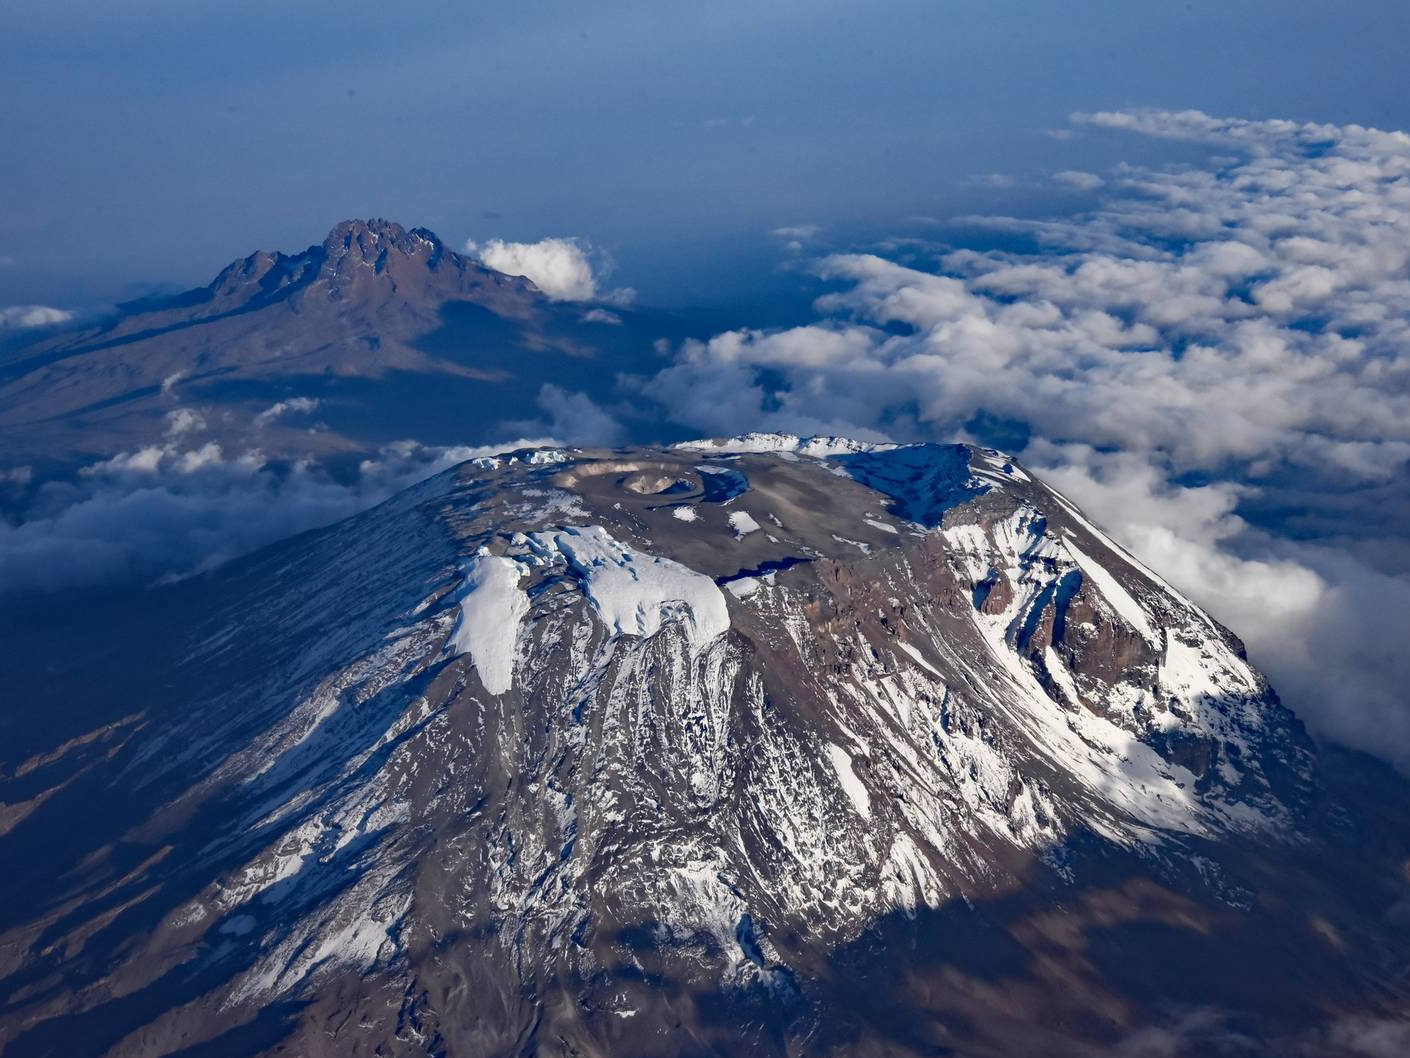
<point>151,142</point>
<point>1160,251</point>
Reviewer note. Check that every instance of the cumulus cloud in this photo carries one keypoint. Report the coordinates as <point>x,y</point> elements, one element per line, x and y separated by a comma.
<point>183,421</point>
<point>562,268</point>
<point>1240,331</point>
<point>292,406</point>
<point>574,418</point>
<point>796,237</point>
<point>798,231</point>
<point>168,510</point>
<point>24,317</point>
<point>602,316</point>
<point>1079,180</point>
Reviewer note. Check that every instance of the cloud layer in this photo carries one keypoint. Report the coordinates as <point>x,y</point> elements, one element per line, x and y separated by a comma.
<point>1216,361</point>
<point>1251,315</point>
<point>179,508</point>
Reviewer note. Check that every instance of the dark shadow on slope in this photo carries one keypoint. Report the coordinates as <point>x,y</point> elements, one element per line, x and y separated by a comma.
<point>271,293</point>
<point>191,868</point>
<point>91,813</point>
<point>1061,969</point>
<point>923,481</point>
<point>723,484</point>
<point>265,1032</point>
<point>763,569</point>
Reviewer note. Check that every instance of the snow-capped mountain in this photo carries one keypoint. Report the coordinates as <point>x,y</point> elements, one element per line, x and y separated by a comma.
<point>761,746</point>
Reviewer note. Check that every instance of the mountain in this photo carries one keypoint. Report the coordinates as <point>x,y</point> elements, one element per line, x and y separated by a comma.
<point>768,746</point>
<point>392,333</point>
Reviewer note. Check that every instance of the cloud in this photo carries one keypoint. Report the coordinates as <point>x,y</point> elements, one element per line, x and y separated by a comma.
<point>1200,1031</point>
<point>558,267</point>
<point>24,317</point>
<point>166,510</point>
<point>183,421</point>
<point>1212,1032</point>
<point>742,121</point>
<point>1368,1037</point>
<point>561,268</point>
<point>1266,137</point>
<point>1314,617</point>
<point>1239,330</point>
<point>797,231</point>
<point>796,237</point>
<point>1078,180</point>
<point>18,478</point>
<point>292,406</point>
<point>572,417</point>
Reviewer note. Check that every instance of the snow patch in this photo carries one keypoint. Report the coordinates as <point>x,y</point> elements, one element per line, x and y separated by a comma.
<point>779,443</point>
<point>1060,676</point>
<point>851,785</point>
<point>1120,599</point>
<point>918,658</point>
<point>742,523</point>
<point>490,612</point>
<point>634,592</point>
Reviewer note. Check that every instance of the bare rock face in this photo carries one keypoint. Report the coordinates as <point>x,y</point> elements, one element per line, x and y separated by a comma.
<point>767,746</point>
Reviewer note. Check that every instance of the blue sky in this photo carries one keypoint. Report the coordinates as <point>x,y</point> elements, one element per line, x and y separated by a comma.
<point>152,141</point>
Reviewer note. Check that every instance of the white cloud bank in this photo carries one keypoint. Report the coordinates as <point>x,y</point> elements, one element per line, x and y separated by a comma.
<point>1244,325</point>
<point>174,509</point>
<point>25,317</point>
<point>561,268</point>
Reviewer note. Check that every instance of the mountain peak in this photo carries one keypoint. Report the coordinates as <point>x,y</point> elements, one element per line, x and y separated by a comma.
<point>375,227</point>
<point>350,246</point>
<point>719,736</point>
<point>374,241</point>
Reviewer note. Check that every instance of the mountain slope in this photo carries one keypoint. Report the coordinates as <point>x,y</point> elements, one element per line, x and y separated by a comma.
<point>764,746</point>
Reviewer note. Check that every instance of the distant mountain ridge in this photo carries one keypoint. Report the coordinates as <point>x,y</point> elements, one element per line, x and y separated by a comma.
<point>359,257</point>
<point>373,303</point>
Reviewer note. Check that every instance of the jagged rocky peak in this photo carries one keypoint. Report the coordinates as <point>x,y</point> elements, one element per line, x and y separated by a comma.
<point>371,242</point>
<point>352,247</point>
<point>250,272</point>
<point>369,261</point>
<point>689,750</point>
